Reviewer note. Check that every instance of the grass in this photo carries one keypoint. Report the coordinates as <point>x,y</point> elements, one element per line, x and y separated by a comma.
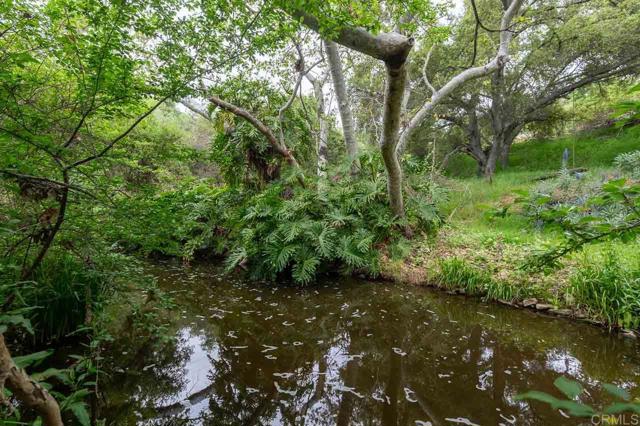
<point>481,250</point>
<point>608,288</point>
<point>590,150</point>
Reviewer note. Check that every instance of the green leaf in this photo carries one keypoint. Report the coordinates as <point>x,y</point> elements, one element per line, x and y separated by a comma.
<point>571,388</point>
<point>571,407</point>
<point>622,407</point>
<point>616,391</point>
<point>31,359</point>
<point>79,409</point>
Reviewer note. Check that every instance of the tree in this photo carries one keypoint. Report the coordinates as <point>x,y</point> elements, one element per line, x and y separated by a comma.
<point>393,50</point>
<point>344,105</point>
<point>563,49</point>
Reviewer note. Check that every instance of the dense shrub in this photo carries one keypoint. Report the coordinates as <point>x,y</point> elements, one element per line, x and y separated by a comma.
<point>283,230</point>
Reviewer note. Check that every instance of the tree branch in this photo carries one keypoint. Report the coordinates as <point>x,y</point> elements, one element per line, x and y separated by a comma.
<point>261,127</point>
<point>501,58</point>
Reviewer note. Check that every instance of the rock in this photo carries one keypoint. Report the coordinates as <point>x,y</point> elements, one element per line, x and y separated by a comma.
<point>629,333</point>
<point>543,306</point>
<point>529,303</point>
<point>462,291</point>
<point>505,302</point>
<point>562,312</point>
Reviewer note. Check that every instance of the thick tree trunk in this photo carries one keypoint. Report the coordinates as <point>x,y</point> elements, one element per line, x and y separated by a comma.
<point>392,49</point>
<point>474,146</point>
<point>394,93</point>
<point>340,88</point>
<point>492,161</point>
<point>26,390</point>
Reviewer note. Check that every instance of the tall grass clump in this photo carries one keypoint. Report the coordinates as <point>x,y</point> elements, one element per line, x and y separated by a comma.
<point>62,295</point>
<point>609,290</point>
<point>457,274</point>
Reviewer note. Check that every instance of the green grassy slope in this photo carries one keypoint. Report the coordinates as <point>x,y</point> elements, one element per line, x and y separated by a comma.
<point>592,150</point>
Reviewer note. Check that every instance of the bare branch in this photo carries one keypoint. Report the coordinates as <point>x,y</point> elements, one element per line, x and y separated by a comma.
<point>195,109</point>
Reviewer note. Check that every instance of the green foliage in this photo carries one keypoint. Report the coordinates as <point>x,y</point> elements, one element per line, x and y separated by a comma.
<point>609,290</point>
<point>456,274</point>
<point>572,406</point>
<point>62,291</point>
<point>628,111</point>
<point>590,150</point>
<point>629,162</point>
<point>607,212</point>
<point>340,224</point>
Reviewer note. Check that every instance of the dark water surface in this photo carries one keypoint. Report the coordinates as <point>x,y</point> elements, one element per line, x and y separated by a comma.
<point>353,352</point>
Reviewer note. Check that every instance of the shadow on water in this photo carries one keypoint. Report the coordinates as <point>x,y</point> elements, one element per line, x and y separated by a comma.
<point>352,352</point>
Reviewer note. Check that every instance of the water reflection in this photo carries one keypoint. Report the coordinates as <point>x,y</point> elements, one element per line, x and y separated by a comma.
<point>354,353</point>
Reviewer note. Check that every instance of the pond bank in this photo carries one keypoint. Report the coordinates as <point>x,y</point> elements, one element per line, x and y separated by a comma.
<point>468,264</point>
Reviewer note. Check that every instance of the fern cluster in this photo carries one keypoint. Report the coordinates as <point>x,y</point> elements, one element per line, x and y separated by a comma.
<point>284,231</point>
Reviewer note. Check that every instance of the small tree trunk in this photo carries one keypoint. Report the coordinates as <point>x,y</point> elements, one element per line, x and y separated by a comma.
<point>26,390</point>
<point>28,271</point>
<point>340,87</point>
<point>323,133</point>
<point>504,154</point>
<point>396,81</point>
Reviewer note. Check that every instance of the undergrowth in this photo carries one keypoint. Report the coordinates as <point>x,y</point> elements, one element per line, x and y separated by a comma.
<point>608,289</point>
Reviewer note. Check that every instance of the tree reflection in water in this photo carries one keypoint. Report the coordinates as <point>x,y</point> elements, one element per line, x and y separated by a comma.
<point>354,353</point>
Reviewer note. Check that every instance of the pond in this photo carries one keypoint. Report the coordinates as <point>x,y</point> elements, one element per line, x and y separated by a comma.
<point>354,352</point>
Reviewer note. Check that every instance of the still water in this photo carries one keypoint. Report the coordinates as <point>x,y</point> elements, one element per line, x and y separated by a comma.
<point>354,352</point>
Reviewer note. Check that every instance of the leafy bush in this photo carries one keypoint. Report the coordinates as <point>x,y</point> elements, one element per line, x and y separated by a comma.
<point>629,162</point>
<point>283,229</point>
<point>610,210</point>
<point>336,225</point>
<point>61,294</point>
<point>609,290</point>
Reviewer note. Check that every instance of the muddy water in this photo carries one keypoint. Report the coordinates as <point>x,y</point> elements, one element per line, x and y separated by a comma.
<point>350,352</point>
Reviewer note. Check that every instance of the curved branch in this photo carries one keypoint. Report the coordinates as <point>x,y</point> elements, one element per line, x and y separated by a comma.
<point>27,390</point>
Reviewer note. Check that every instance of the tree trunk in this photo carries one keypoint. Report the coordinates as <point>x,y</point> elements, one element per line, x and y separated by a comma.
<point>492,160</point>
<point>474,146</point>
<point>323,132</point>
<point>26,390</point>
<point>28,271</point>
<point>340,88</point>
<point>396,81</point>
<point>498,126</point>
